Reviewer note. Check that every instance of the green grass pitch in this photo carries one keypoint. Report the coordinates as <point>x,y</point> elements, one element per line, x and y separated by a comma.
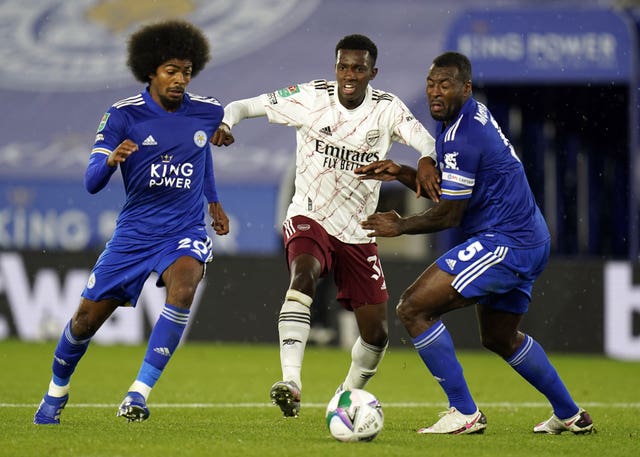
<point>213,401</point>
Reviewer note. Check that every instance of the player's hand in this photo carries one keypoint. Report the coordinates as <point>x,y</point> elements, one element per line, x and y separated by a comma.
<point>122,152</point>
<point>428,179</point>
<point>383,224</point>
<point>222,136</point>
<point>381,170</point>
<point>220,221</point>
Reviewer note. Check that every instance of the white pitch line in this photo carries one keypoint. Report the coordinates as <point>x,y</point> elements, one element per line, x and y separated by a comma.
<point>323,405</point>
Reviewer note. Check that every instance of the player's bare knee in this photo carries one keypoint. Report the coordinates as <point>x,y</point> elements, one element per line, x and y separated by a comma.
<point>378,337</point>
<point>82,326</point>
<point>304,282</point>
<point>496,344</point>
<point>181,295</point>
<point>407,310</point>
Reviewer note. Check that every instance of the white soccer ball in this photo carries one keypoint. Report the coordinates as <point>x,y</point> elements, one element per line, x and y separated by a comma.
<point>354,415</point>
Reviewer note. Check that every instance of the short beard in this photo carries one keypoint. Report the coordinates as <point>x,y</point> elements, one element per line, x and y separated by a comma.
<point>170,104</point>
<point>439,117</point>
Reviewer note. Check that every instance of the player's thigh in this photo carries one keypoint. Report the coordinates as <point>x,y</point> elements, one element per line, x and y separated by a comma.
<point>180,263</point>
<point>431,294</point>
<point>185,271</point>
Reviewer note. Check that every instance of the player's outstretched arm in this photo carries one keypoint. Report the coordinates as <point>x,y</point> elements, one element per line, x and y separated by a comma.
<point>220,221</point>
<point>387,224</point>
<point>235,112</point>
<point>99,169</point>
<point>222,136</point>
<point>444,215</point>
<point>388,170</point>
<point>428,179</point>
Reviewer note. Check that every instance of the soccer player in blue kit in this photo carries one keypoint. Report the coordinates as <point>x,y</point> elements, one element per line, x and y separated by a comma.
<point>160,141</point>
<point>486,193</point>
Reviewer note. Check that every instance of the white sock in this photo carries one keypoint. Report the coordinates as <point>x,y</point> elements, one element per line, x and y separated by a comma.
<point>294,324</point>
<point>365,359</point>
<point>56,390</point>
<point>141,388</point>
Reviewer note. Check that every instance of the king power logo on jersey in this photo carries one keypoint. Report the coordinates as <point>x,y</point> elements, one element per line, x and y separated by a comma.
<point>38,306</point>
<point>167,174</point>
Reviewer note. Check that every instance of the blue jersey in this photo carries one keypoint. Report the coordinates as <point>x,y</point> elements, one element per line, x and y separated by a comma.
<point>165,178</point>
<point>478,163</point>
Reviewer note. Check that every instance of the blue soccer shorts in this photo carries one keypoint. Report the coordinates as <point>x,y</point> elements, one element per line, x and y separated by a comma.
<point>123,268</point>
<point>499,275</point>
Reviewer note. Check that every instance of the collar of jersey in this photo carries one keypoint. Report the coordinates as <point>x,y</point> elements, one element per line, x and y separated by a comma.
<point>153,106</point>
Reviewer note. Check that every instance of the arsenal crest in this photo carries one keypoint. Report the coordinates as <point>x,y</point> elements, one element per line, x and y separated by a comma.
<point>372,137</point>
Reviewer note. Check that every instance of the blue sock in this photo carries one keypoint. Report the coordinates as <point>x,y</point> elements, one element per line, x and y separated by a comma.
<point>67,355</point>
<point>435,347</point>
<point>531,362</point>
<point>163,342</point>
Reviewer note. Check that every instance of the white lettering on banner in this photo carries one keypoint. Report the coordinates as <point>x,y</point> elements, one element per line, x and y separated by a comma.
<point>586,49</point>
<point>508,46</point>
<point>621,301</point>
<point>543,50</point>
<point>34,229</point>
<point>40,311</point>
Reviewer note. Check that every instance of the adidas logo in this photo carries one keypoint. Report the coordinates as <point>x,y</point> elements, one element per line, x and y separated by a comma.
<point>61,361</point>
<point>451,263</point>
<point>326,130</point>
<point>163,351</point>
<point>149,141</point>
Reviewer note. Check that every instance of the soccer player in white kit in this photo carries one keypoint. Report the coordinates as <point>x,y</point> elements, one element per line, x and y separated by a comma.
<point>340,126</point>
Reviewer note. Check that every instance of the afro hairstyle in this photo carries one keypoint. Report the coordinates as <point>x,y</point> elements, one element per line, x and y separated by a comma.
<point>155,44</point>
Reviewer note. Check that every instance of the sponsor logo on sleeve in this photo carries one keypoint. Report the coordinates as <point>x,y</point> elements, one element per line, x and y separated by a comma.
<point>103,122</point>
<point>288,91</point>
<point>454,177</point>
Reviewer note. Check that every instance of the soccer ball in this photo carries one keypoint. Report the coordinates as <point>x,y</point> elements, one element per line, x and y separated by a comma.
<point>354,415</point>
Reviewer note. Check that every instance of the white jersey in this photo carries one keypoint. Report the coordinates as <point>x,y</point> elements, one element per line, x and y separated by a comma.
<point>332,141</point>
